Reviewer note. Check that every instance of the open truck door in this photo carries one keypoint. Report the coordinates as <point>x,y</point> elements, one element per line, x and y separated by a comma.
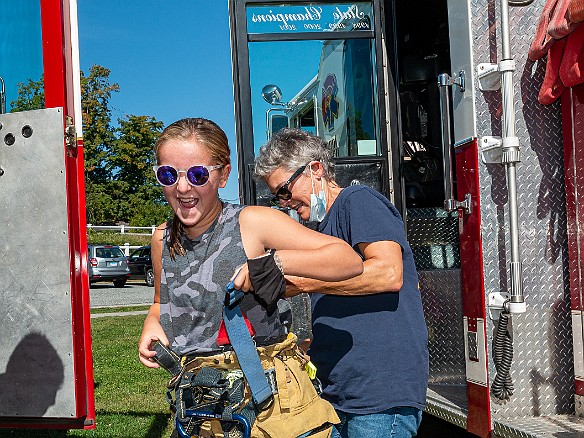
<point>322,67</point>
<point>436,106</point>
<point>46,374</point>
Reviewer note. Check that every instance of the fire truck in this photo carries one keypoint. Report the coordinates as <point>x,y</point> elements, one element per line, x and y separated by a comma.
<point>46,371</point>
<point>441,107</point>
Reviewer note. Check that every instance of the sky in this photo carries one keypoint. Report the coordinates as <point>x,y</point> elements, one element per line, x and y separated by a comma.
<point>171,59</point>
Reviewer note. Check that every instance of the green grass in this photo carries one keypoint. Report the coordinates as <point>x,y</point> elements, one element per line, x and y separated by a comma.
<point>129,398</point>
<point>119,309</point>
<point>116,238</point>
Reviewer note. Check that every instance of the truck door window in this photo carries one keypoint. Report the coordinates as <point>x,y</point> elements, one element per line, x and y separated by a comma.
<point>324,86</point>
<point>21,59</point>
<point>293,67</point>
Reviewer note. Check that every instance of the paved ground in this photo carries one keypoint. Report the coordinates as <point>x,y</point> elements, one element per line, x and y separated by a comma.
<point>133,293</point>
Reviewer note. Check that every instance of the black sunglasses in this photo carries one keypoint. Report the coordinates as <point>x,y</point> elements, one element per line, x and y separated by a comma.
<point>284,193</point>
<point>196,175</point>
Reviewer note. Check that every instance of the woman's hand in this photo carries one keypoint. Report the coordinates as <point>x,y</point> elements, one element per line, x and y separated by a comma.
<point>293,287</point>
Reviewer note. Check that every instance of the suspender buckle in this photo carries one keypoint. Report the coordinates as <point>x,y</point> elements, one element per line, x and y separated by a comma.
<point>232,296</point>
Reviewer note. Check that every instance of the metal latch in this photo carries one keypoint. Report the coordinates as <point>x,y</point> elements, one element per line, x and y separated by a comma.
<point>453,204</point>
<point>70,136</point>
<point>496,303</point>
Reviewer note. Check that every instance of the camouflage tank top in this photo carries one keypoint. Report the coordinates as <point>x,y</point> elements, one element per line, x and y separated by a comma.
<point>192,289</point>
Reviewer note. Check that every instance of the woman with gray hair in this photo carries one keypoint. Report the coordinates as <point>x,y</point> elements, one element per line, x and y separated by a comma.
<point>370,337</point>
<point>293,150</point>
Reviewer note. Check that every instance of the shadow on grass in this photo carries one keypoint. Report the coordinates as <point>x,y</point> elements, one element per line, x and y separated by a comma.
<point>158,425</point>
<point>30,433</point>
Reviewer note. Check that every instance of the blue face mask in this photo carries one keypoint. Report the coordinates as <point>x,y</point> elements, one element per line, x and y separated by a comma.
<point>317,204</point>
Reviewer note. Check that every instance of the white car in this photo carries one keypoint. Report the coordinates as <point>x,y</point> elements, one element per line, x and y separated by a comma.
<point>107,263</point>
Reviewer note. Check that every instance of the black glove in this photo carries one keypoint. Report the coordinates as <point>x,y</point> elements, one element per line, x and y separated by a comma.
<point>267,280</point>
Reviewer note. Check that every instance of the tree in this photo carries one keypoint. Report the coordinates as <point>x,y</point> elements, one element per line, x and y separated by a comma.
<point>98,133</point>
<point>132,154</point>
<point>119,182</point>
<point>31,95</point>
<point>132,159</point>
<point>136,195</point>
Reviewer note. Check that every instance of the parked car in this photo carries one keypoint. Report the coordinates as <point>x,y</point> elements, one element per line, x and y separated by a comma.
<point>107,263</point>
<point>140,264</point>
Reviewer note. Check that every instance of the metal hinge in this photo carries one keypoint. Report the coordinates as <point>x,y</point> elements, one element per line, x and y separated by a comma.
<point>445,80</point>
<point>70,136</point>
<point>453,204</point>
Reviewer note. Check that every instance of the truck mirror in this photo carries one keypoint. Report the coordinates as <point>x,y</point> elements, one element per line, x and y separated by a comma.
<point>272,94</point>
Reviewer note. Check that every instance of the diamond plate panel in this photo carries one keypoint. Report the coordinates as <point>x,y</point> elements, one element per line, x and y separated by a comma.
<point>301,316</point>
<point>443,312</point>
<point>564,426</point>
<point>448,403</point>
<point>433,238</point>
<point>542,369</point>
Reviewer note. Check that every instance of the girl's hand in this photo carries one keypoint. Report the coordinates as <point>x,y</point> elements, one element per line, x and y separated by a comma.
<point>147,340</point>
<point>241,279</point>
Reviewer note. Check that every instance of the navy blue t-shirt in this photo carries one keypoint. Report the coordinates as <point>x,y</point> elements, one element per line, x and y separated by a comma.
<point>371,351</point>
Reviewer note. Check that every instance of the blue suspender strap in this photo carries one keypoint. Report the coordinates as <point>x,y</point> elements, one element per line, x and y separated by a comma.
<point>244,347</point>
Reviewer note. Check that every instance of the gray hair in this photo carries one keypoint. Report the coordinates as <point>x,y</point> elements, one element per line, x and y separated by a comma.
<point>292,148</point>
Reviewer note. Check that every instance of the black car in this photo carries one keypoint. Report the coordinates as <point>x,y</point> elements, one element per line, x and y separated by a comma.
<point>140,264</point>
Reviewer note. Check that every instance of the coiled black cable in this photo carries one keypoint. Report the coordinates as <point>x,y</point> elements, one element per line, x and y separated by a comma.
<point>520,3</point>
<point>502,387</point>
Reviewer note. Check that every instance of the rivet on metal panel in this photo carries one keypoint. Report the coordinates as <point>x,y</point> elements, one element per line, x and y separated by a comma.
<point>9,139</point>
<point>26,131</point>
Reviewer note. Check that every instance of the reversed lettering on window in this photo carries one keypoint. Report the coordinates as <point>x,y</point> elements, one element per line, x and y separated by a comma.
<point>315,18</point>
